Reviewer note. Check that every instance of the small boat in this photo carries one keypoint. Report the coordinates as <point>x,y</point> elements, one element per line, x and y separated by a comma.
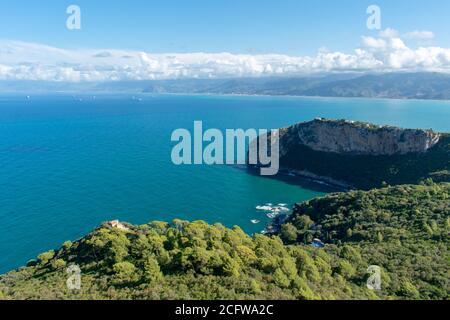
<point>254,221</point>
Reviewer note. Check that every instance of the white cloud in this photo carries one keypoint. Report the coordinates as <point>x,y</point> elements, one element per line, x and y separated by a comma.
<point>389,33</point>
<point>419,35</point>
<point>376,44</point>
<point>30,61</point>
<point>104,54</point>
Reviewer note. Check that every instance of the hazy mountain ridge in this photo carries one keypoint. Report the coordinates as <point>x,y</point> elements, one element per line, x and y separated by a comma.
<point>389,85</point>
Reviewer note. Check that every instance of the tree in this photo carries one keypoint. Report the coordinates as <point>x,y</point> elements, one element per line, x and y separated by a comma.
<point>305,264</point>
<point>231,268</point>
<point>434,226</point>
<point>124,272</point>
<point>409,290</point>
<point>288,267</point>
<point>303,223</point>
<point>303,291</point>
<point>246,254</point>
<point>346,269</point>
<point>152,271</point>
<point>67,245</point>
<point>352,254</point>
<point>255,286</point>
<point>349,233</point>
<point>118,247</point>
<point>58,264</point>
<point>428,229</point>
<point>45,257</point>
<point>289,233</point>
<point>380,237</point>
<point>200,260</point>
<point>281,279</point>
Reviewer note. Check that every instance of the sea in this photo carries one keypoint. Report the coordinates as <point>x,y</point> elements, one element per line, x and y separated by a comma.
<point>70,162</point>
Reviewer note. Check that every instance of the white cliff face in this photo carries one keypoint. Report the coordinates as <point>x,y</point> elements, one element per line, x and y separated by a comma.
<point>342,136</point>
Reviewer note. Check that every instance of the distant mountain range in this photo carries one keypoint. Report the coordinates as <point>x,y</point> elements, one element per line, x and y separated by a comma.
<point>393,85</point>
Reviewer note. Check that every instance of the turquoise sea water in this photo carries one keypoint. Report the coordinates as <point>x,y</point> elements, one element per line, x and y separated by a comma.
<point>67,164</point>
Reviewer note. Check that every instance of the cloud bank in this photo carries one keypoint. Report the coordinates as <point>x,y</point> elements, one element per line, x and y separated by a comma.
<point>386,53</point>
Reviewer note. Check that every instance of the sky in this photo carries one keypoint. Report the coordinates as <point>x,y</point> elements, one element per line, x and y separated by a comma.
<point>153,39</point>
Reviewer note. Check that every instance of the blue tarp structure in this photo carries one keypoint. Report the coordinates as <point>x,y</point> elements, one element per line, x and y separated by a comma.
<point>317,243</point>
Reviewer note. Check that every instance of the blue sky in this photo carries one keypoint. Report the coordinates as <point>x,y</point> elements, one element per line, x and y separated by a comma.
<point>168,39</point>
<point>293,27</point>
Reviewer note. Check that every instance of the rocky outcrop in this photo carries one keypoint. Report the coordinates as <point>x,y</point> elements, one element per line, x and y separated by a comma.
<point>350,137</point>
<point>358,155</point>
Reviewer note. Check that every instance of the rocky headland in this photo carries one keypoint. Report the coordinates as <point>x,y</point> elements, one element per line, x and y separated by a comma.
<point>351,137</point>
<point>359,155</point>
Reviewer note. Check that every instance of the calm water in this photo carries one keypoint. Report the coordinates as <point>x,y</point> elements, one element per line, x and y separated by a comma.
<point>68,165</point>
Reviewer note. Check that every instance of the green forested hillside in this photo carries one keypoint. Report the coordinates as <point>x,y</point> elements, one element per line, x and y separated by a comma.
<point>404,230</point>
<point>183,261</point>
<point>407,212</point>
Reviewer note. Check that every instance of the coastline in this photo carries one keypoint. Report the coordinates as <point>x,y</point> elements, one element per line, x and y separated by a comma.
<point>207,94</point>
<point>327,181</point>
<point>340,186</point>
<point>289,96</point>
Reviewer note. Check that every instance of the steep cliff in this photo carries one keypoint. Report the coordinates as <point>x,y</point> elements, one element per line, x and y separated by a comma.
<point>343,136</point>
<point>362,155</point>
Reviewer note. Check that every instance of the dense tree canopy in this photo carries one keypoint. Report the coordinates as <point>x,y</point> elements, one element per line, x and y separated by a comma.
<point>404,230</point>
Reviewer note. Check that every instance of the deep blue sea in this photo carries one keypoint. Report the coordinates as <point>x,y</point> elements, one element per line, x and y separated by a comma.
<point>69,163</point>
